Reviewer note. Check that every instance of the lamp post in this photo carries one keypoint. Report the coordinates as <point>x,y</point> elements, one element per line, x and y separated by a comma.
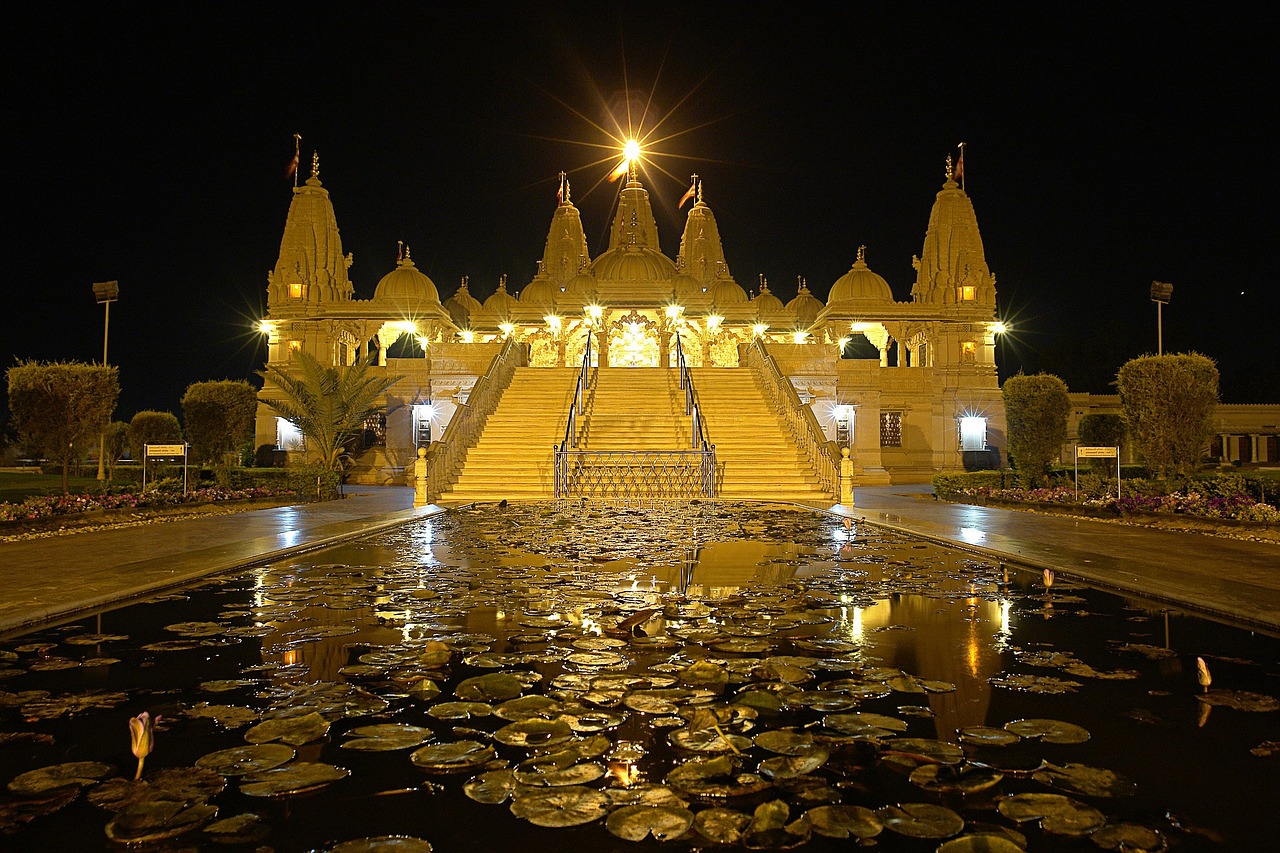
<point>105,292</point>
<point>1161,291</point>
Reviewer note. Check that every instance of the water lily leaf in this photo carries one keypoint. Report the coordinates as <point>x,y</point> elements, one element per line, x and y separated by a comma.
<point>595,659</point>
<point>949,778</point>
<point>923,751</point>
<point>785,742</point>
<point>290,779</point>
<point>494,687</point>
<point>534,733</point>
<point>387,737</point>
<point>424,688</point>
<point>761,700</point>
<point>1049,731</point>
<point>921,820</point>
<point>715,778</point>
<point>1240,700</point>
<point>840,821</point>
<point>980,844</point>
<point>859,724</point>
<point>645,795</point>
<point>1086,780</point>
<point>743,646</point>
<point>594,721</point>
<point>1129,838</point>
<point>14,812</point>
<point>225,685</point>
<point>555,807</point>
<point>987,736</point>
<point>172,784</point>
<point>294,731</point>
<point>1034,683</point>
<point>457,757</point>
<point>647,703</point>
<point>383,844</point>
<point>227,716</point>
<point>45,707</point>
<point>525,707</point>
<point>636,823</point>
<point>1057,813</point>
<point>492,787</point>
<point>94,639</point>
<point>196,629</point>
<point>769,829</point>
<point>74,774</point>
<point>52,664</point>
<point>705,673</point>
<point>708,740</point>
<point>722,826</point>
<point>575,774</point>
<point>155,821</point>
<point>460,710</point>
<point>791,766</point>
<point>247,828</point>
<point>240,760</point>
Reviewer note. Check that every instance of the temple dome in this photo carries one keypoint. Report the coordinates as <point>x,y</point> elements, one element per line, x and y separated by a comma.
<point>860,283</point>
<point>684,285</point>
<point>500,303</point>
<point>542,291</point>
<point>726,291</point>
<point>805,306</point>
<point>406,284</point>
<point>632,264</point>
<point>582,286</point>
<point>765,301</point>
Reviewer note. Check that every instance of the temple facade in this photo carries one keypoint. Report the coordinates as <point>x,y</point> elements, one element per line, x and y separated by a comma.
<point>923,396</point>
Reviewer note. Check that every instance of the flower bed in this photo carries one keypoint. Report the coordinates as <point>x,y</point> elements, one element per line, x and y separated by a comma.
<point>1235,507</point>
<point>53,506</point>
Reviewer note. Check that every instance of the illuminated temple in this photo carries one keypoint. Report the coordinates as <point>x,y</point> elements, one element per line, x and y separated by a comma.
<point>908,387</point>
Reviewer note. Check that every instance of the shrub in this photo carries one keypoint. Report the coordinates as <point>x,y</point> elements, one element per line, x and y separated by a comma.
<point>1169,403</point>
<point>219,420</point>
<point>1036,409</point>
<point>60,408</point>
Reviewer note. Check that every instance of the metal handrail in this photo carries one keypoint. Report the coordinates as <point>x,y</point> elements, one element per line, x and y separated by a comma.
<point>692,406</point>
<point>800,418</point>
<point>446,456</point>
<point>578,406</point>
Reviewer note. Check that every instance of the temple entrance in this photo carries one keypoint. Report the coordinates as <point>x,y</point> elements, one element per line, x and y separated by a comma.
<point>633,342</point>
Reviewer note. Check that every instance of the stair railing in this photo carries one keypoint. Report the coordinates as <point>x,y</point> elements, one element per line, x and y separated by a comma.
<point>560,458</point>
<point>698,428</point>
<point>800,418</point>
<point>445,457</point>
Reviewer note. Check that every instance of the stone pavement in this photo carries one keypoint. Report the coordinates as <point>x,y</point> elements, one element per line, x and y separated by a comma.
<point>1234,579</point>
<point>51,578</point>
<point>44,579</point>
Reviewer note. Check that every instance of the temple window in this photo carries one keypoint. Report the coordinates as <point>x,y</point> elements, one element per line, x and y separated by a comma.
<point>294,346</point>
<point>968,351</point>
<point>968,293</point>
<point>295,290</point>
<point>891,429</point>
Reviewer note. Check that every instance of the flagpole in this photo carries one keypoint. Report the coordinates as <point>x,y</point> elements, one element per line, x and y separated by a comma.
<point>297,152</point>
<point>961,167</point>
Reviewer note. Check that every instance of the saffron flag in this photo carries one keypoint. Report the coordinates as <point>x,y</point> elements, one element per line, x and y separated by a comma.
<point>693,189</point>
<point>619,172</point>
<point>960,164</point>
<point>293,166</point>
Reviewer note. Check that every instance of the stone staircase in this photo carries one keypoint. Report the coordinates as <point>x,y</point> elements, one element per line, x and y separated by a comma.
<point>755,453</point>
<point>513,458</point>
<point>634,408</point>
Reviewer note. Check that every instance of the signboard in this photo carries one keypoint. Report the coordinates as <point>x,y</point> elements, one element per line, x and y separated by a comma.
<point>166,450</point>
<point>1097,452</point>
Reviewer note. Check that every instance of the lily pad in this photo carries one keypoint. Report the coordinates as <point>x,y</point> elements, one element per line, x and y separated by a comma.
<point>1240,700</point>
<point>148,822</point>
<point>1057,813</point>
<point>708,740</point>
<point>791,766</point>
<point>172,784</point>
<point>1085,780</point>
<point>785,742</point>
<point>769,829</point>
<point>558,807</point>
<point>457,757</point>
<point>980,844</point>
<point>1034,683</point>
<point>841,821</point>
<point>525,707</point>
<point>492,787</point>
<point>949,778</point>
<point>534,733</point>
<point>291,779</point>
<point>494,687</point>
<point>240,760</point>
<point>294,731</point>
<point>859,724</point>
<point>1049,731</point>
<point>227,716</point>
<point>1129,838</point>
<point>383,844</point>
<point>636,823</point>
<point>722,826</point>
<point>74,774</point>
<point>921,820</point>
<point>386,737</point>
<point>247,828</point>
<point>987,736</point>
<point>460,710</point>
<point>922,751</point>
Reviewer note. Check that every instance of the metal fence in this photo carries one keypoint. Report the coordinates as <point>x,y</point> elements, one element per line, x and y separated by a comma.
<point>635,475</point>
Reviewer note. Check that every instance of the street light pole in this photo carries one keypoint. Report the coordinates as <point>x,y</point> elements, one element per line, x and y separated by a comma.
<point>1161,292</point>
<point>105,292</point>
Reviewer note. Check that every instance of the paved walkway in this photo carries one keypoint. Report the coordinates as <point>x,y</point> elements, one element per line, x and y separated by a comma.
<point>1232,578</point>
<point>46,579</point>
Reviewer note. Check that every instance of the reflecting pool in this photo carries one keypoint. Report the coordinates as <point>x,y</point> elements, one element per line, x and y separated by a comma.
<point>705,676</point>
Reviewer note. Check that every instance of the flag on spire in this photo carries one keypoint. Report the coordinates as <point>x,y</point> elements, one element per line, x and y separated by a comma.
<point>960,166</point>
<point>622,169</point>
<point>693,191</point>
<point>292,170</point>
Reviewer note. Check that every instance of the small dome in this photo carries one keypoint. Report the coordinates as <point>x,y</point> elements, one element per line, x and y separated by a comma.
<point>726,291</point>
<point>542,291</point>
<point>765,301</point>
<point>630,263</point>
<point>500,303</point>
<point>462,305</point>
<point>685,285</point>
<point>406,283</point>
<point>805,306</point>
<point>582,286</point>
<point>860,283</point>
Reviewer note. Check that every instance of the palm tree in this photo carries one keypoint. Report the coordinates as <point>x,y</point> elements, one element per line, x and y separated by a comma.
<point>328,405</point>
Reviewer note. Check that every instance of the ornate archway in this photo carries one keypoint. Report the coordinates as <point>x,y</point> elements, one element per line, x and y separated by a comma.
<point>634,341</point>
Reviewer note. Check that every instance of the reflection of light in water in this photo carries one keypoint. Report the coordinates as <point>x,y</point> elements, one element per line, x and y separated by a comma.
<point>1004,616</point>
<point>972,535</point>
<point>291,656</point>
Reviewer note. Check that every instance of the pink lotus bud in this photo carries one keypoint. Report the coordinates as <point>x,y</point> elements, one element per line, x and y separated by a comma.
<point>1202,674</point>
<point>142,737</point>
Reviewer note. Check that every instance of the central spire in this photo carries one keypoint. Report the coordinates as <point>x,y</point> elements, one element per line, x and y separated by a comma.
<point>633,224</point>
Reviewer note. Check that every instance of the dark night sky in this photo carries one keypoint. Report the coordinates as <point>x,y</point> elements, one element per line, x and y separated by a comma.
<point>147,143</point>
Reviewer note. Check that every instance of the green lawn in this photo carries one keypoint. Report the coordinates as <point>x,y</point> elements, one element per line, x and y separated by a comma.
<point>16,487</point>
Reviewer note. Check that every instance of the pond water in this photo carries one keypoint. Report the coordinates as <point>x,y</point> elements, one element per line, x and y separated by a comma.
<point>557,678</point>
